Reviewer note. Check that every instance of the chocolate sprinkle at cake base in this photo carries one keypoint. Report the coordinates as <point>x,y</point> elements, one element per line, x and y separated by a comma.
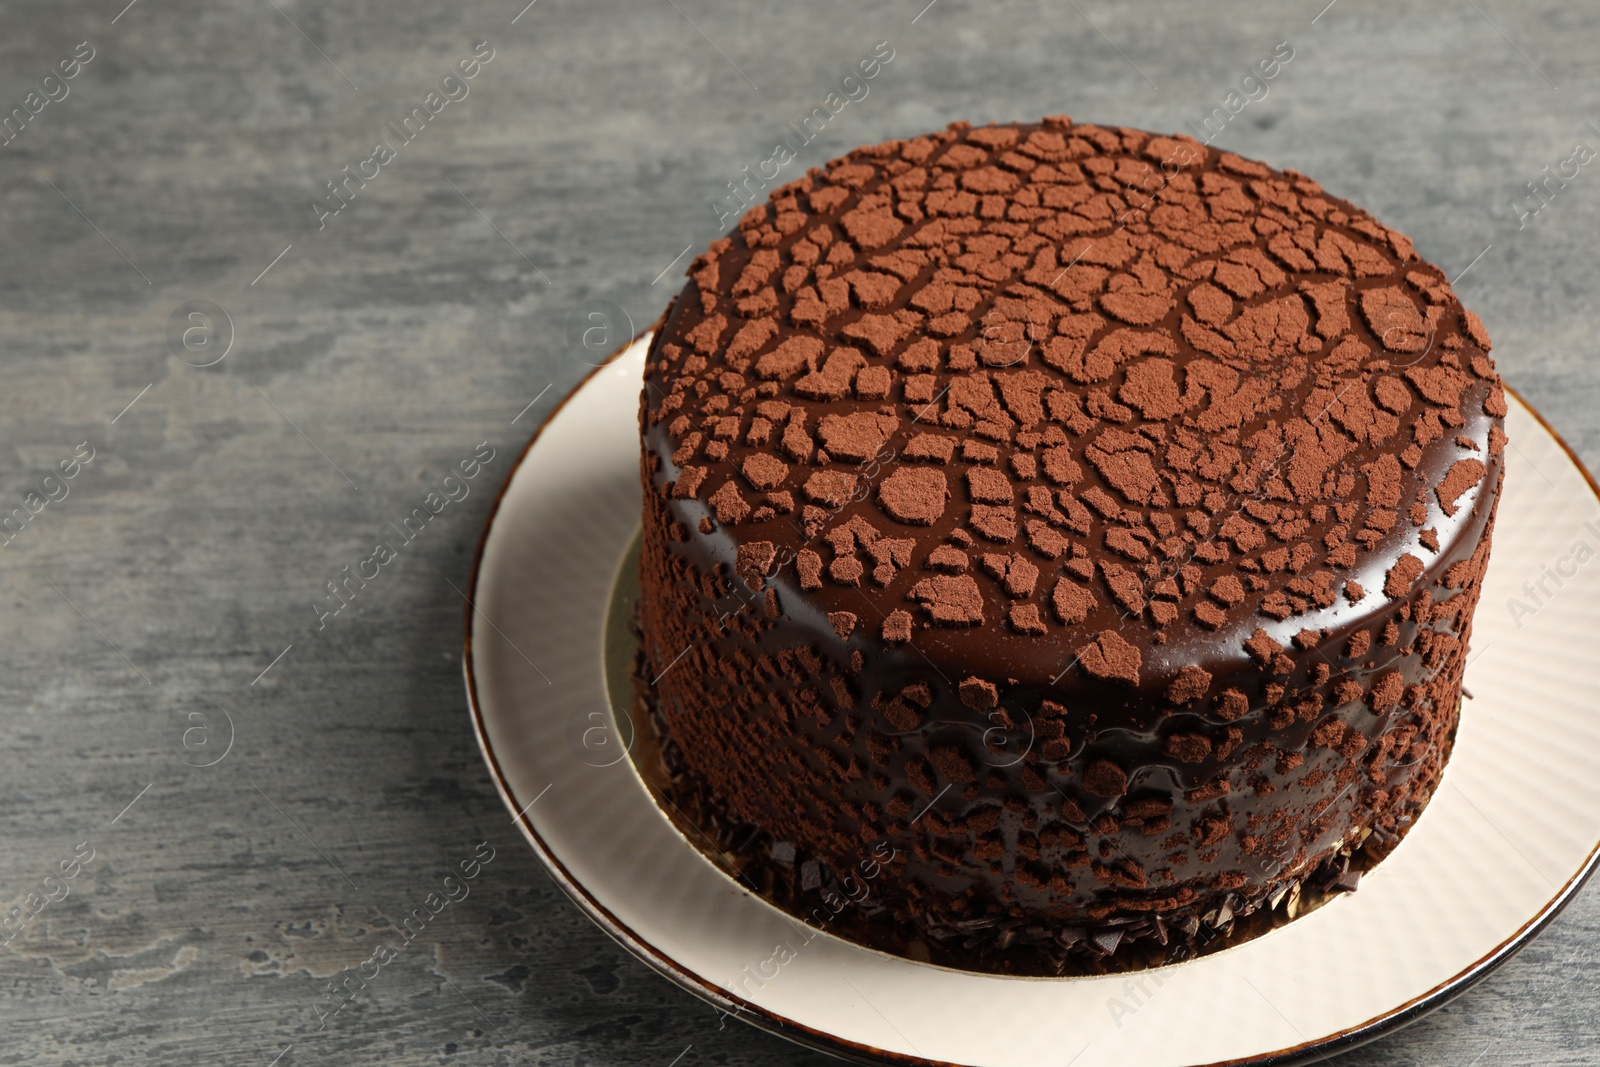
<point>1081,525</point>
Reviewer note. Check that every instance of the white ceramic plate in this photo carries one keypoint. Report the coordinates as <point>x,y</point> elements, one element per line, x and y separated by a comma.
<point>1508,839</point>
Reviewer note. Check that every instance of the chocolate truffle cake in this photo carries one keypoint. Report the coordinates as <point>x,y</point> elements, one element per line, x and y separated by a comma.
<point>1072,534</point>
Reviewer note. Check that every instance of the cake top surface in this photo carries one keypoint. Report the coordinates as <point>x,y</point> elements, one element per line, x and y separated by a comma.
<point>1068,388</point>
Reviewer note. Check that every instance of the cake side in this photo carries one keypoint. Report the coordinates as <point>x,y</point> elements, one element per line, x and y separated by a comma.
<point>1053,830</point>
<point>1108,557</point>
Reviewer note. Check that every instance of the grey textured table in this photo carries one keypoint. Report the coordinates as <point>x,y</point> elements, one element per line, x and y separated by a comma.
<point>180,582</point>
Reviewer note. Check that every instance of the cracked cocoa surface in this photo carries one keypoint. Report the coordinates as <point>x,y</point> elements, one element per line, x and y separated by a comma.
<point>1095,516</point>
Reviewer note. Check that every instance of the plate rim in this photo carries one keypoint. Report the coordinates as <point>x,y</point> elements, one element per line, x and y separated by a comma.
<point>820,1040</point>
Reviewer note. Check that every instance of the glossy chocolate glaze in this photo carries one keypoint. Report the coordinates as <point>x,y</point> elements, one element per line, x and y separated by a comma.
<point>1003,816</point>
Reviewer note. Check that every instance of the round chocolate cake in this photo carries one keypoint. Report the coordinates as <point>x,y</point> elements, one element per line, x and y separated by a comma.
<point>1067,535</point>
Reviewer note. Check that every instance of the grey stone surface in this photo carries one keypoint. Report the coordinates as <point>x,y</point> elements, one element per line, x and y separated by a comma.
<point>381,350</point>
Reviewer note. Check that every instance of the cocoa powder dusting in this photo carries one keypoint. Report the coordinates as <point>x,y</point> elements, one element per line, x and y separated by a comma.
<point>1080,443</point>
